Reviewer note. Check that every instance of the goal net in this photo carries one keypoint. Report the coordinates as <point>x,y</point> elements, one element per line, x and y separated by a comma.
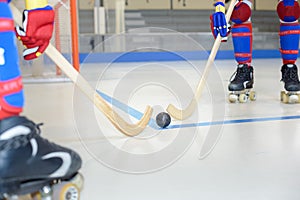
<point>43,69</point>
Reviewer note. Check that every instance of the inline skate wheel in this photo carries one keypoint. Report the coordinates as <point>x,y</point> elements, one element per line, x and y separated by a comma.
<point>233,98</point>
<point>293,98</point>
<point>282,93</point>
<point>252,96</point>
<point>243,98</point>
<point>36,196</point>
<point>66,191</point>
<point>284,97</point>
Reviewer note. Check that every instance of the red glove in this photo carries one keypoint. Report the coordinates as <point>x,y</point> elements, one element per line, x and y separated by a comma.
<point>36,32</point>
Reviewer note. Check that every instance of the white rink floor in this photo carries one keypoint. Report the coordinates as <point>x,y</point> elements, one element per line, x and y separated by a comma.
<point>254,155</point>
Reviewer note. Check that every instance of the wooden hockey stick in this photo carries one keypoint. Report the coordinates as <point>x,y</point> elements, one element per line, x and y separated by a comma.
<point>84,86</point>
<point>188,111</point>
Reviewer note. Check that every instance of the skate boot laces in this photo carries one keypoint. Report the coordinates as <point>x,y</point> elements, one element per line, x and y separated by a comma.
<point>38,128</point>
<point>240,74</point>
<point>35,128</point>
<point>21,140</point>
<point>290,74</point>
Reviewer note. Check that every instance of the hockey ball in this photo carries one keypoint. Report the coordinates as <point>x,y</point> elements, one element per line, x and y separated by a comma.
<point>163,119</point>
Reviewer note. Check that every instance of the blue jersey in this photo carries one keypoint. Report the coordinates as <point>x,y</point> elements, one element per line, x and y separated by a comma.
<point>11,92</point>
<point>4,11</point>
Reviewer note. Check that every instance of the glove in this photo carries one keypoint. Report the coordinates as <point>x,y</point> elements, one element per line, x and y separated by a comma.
<point>36,31</point>
<point>218,21</point>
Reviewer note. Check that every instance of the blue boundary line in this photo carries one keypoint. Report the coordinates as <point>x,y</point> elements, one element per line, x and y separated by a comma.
<point>121,57</point>
<point>138,115</point>
<point>237,121</point>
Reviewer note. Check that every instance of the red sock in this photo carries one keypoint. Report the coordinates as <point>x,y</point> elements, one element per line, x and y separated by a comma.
<point>5,114</point>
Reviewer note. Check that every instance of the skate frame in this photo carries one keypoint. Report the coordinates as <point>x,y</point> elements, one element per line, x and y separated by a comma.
<point>188,111</point>
<point>126,128</point>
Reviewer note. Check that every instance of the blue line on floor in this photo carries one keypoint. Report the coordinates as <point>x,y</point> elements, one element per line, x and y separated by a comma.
<point>237,121</point>
<point>138,115</point>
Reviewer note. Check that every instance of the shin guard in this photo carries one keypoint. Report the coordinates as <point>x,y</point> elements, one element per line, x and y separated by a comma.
<point>289,42</point>
<point>242,42</point>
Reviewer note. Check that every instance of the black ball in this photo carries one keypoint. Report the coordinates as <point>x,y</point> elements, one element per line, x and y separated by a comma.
<point>163,119</point>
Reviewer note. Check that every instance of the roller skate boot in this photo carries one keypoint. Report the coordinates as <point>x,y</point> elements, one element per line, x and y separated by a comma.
<point>290,78</point>
<point>31,167</point>
<point>241,84</point>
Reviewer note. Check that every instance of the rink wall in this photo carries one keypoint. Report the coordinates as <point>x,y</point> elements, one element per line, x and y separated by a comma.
<point>168,56</point>
<point>154,44</point>
<point>167,46</point>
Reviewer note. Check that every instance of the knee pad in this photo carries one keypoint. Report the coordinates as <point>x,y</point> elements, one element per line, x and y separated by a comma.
<point>242,42</point>
<point>288,10</point>
<point>289,42</point>
<point>242,12</point>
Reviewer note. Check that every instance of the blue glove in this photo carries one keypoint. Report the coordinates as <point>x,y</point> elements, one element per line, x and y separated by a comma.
<point>218,21</point>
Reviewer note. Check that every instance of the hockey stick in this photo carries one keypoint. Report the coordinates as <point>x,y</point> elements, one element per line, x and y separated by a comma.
<point>188,111</point>
<point>84,86</point>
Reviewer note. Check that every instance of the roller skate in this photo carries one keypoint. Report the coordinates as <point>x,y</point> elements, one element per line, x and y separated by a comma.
<point>291,84</point>
<point>241,84</point>
<point>31,167</point>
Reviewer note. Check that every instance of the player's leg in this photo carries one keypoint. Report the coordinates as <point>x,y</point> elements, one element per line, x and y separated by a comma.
<point>288,12</point>
<point>24,155</point>
<point>11,92</point>
<point>242,41</point>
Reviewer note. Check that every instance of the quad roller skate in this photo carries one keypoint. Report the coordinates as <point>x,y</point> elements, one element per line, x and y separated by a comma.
<point>291,84</point>
<point>33,168</point>
<point>241,84</point>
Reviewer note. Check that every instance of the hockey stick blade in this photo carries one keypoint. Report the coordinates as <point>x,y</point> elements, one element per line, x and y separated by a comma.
<point>180,114</point>
<point>100,103</point>
<point>126,128</point>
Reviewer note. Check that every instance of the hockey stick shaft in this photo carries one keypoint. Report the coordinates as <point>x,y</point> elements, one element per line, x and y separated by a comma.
<point>184,114</point>
<point>84,86</point>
